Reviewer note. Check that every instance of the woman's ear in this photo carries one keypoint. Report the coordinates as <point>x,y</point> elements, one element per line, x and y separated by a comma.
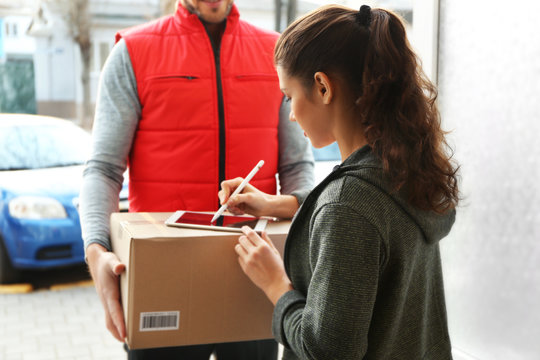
<point>323,87</point>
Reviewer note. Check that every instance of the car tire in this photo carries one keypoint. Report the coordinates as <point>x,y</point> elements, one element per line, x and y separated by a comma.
<point>8,274</point>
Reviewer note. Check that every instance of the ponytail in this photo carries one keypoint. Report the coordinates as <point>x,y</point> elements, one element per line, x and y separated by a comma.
<point>401,120</point>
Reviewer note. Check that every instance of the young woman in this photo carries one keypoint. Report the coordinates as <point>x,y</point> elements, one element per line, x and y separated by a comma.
<point>361,276</point>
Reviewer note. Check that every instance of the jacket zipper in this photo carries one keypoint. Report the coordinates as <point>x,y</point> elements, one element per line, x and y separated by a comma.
<point>221,110</point>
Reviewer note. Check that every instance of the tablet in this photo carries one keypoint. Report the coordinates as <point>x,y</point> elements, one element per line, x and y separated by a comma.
<point>226,222</point>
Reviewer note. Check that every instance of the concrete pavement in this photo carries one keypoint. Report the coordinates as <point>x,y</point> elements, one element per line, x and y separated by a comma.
<point>64,322</point>
<point>59,322</point>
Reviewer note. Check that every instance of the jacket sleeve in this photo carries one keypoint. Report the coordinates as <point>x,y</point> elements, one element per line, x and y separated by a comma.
<point>332,320</point>
<point>296,162</point>
<point>117,115</point>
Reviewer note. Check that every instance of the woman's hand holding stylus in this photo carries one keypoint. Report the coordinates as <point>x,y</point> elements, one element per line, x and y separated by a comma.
<point>262,263</point>
<point>255,202</point>
<point>251,200</point>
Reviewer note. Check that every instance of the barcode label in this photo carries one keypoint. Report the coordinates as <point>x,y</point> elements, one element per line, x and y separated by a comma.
<point>159,320</point>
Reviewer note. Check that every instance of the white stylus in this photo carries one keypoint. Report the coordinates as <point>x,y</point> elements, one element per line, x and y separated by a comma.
<point>238,189</point>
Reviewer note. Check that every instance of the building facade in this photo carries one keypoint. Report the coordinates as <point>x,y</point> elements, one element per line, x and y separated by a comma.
<point>40,63</point>
<point>57,58</point>
<point>42,68</point>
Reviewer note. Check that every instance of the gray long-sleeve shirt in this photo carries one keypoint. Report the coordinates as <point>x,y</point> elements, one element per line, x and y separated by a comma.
<point>118,111</point>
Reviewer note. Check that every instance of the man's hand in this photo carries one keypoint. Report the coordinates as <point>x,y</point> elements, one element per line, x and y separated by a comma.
<point>105,268</point>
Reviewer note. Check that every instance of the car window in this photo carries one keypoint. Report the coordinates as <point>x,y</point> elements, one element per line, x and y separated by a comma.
<point>42,146</point>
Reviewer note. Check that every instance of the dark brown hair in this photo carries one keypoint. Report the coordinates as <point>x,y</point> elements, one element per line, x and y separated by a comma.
<point>396,102</point>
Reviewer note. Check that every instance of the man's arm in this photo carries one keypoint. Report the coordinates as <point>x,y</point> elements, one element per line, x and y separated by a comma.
<point>117,114</point>
<point>296,164</point>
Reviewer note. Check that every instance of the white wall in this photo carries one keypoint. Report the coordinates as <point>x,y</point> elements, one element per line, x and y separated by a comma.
<point>54,64</point>
<point>17,44</point>
<point>489,82</point>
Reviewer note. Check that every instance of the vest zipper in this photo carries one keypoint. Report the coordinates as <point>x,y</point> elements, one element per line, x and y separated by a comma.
<point>221,110</point>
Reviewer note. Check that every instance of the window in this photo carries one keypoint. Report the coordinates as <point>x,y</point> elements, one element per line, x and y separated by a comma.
<point>11,29</point>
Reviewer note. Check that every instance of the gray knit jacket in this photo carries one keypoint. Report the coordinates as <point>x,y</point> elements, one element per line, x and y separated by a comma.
<point>366,270</point>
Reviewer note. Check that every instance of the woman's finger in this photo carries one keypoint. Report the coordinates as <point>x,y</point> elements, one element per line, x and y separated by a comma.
<point>242,263</point>
<point>235,210</point>
<point>252,236</point>
<point>240,250</point>
<point>246,243</point>
<point>241,199</point>
<point>233,202</point>
<point>266,238</point>
<point>221,195</point>
<point>227,187</point>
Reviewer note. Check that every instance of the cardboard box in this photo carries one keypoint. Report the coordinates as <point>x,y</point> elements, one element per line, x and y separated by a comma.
<point>185,286</point>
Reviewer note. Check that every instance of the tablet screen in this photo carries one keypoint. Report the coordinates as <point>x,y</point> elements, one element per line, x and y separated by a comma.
<point>223,220</point>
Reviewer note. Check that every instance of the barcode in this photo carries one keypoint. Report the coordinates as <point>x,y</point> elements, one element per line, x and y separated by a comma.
<point>157,321</point>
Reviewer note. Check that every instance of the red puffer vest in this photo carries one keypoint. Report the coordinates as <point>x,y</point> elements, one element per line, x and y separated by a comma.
<point>203,119</point>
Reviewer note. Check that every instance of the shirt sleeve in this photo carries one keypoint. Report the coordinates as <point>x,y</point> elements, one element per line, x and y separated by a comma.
<point>118,110</point>
<point>344,261</point>
<point>296,164</point>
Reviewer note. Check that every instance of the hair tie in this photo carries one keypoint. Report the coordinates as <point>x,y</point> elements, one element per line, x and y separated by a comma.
<point>363,17</point>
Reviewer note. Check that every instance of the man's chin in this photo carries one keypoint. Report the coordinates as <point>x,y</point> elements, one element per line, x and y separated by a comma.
<point>210,15</point>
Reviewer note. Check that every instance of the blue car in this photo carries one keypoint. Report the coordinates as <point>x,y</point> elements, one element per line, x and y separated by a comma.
<point>41,165</point>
